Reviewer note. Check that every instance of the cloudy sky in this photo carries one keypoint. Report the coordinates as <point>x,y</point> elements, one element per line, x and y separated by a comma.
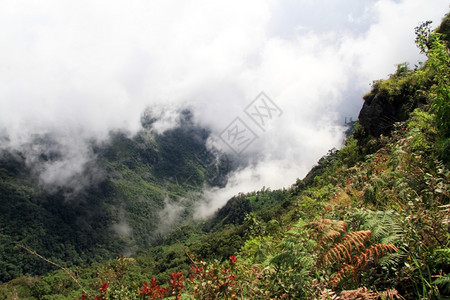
<point>81,68</point>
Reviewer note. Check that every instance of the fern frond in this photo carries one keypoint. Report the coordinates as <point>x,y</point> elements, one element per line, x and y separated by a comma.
<point>375,251</point>
<point>337,253</point>
<point>326,230</point>
<point>443,283</point>
<point>391,260</point>
<point>361,293</point>
<point>444,252</point>
<point>391,239</point>
<point>446,210</point>
<point>328,294</point>
<point>358,239</point>
<point>385,225</point>
<point>390,294</point>
<point>341,226</point>
<point>319,227</point>
<point>341,273</point>
<point>329,236</point>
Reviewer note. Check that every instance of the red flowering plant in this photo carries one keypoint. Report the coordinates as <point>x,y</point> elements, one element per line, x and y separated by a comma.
<point>232,260</point>
<point>104,288</point>
<point>176,284</point>
<point>378,165</point>
<point>153,291</point>
<point>215,280</point>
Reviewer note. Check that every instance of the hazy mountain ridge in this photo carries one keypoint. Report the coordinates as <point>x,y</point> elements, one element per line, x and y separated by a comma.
<point>113,206</point>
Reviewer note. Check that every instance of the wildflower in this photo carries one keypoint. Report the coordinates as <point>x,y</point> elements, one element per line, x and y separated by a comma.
<point>232,277</point>
<point>176,282</point>
<point>153,282</point>
<point>104,287</point>
<point>233,259</point>
<point>145,290</point>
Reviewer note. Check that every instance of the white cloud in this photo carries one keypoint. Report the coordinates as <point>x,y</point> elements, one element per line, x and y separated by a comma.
<point>85,67</point>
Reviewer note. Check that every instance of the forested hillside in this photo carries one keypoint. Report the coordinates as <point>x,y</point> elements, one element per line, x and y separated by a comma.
<point>370,221</point>
<point>124,209</point>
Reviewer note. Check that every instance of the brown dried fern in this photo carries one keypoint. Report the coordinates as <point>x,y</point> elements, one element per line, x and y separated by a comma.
<point>326,230</point>
<point>337,253</point>
<point>342,252</point>
<point>375,251</point>
<point>319,227</point>
<point>329,236</point>
<point>365,293</point>
<point>341,225</point>
<point>359,294</point>
<point>358,239</point>
<point>341,273</point>
<point>390,294</point>
<point>347,249</point>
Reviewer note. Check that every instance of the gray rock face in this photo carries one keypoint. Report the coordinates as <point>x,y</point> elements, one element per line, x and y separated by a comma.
<point>377,115</point>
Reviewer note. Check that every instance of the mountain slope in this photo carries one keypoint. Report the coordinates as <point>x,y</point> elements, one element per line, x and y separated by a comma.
<point>369,222</point>
<point>120,211</point>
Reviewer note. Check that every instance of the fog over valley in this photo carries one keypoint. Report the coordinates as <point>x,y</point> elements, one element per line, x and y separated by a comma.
<point>74,71</point>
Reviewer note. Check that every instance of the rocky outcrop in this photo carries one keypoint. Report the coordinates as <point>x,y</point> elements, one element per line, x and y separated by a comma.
<point>377,115</point>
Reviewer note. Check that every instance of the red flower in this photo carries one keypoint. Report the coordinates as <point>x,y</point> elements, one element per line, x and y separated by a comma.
<point>145,290</point>
<point>233,260</point>
<point>104,287</point>
<point>154,290</point>
<point>176,279</point>
<point>232,277</point>
<point>153,283</point>
<point>176,284</point>
<point>196,269</point>
<point>176,276</point>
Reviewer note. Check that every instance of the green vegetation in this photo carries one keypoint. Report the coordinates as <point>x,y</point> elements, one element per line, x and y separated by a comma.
<point>370,221</point>
<point>121,213</point>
